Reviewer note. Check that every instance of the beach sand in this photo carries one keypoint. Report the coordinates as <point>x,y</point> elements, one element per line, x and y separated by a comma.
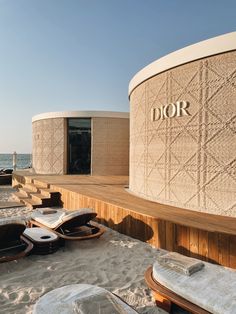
<point>115,262</point>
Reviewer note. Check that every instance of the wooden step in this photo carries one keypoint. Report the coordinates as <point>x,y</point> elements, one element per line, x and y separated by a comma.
<point>27,200</point>
<point>33,195</point>
<point>32,203</point>
<point>20,197</point>
<point>38,197</point>
<point>32,187</point>
<point>28,180</point>
<point>41,184</point>
<point>26,191</point>
<point>49,192</point>
<point>45,200</point>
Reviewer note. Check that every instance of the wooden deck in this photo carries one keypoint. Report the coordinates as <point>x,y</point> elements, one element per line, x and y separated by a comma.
<point>205,236</point>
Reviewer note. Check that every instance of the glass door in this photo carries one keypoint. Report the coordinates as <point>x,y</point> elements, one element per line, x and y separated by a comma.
<point>79,146</point>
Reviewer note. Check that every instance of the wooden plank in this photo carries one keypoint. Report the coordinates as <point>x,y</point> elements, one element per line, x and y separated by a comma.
<point>213,249</point>
<point>183,240</point>
<point>170,236</point>
<point>232,255</point>
<point>151,231</point>
<point>203,244</point>
<point>161,234</point>
<point>224,249</point>
<point>116,213</point>
<point>156,239</point>
<point>194,242</point>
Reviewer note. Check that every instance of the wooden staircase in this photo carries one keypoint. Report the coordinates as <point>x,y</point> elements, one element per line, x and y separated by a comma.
<point>37,194</point>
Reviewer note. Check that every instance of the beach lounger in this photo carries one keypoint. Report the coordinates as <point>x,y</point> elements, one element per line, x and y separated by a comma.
<point>83,299</point>
<point>211,289</point>
<point>44,240</point>
<point>13,245</point>
<point>69,225</point>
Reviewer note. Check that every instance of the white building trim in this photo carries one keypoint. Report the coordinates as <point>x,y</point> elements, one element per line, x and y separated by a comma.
<point>81,114</point>
<point>194,52</point>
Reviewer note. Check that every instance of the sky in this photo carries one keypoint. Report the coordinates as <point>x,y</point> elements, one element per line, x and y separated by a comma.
<point>64,55</point>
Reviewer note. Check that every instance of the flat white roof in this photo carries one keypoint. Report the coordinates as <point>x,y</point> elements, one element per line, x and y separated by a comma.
<point>194,52</point>
<point>81,114</point>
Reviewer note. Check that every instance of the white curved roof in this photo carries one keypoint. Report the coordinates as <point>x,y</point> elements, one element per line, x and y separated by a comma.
<point>194,52</point>
<point>81,114</point>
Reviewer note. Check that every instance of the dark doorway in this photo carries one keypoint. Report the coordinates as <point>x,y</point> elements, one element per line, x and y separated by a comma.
<point>79,146</point>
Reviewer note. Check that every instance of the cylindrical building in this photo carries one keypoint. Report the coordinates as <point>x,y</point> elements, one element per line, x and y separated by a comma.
<point>183,128</point>
<point>81,142</point>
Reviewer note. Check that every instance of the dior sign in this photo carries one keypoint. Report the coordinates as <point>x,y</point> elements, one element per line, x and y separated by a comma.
<point>177,109</point>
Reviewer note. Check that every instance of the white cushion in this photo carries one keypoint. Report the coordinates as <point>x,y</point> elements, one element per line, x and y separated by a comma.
<point>76,213</point>
<point>53,220</point>
<point>212,288</point>
<point>49,220</point>
<point>73,298</point>
<point>40,234</point>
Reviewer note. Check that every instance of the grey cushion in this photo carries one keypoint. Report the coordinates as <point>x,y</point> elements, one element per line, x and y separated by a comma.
<point>40,234</point>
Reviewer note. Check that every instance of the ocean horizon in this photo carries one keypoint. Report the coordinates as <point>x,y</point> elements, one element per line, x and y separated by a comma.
<point>22,161</point>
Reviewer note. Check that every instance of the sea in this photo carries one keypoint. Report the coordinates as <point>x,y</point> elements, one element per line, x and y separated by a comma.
<point>23,161</point>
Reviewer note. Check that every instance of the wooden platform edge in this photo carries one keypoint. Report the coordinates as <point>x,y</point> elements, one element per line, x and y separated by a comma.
<point>118,212</point>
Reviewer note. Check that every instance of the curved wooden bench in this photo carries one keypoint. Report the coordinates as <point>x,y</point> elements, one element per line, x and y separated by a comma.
<point>13,245</point>
<point>198,287</point>
<point>165,297</point>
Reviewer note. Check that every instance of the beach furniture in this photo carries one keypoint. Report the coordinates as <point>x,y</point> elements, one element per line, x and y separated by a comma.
<point>207,289</point>
<point>5,176</point>
<point>44,240</point>
<point>69,225</point>
<point>13,244</point>
<point>5,179</point>
<point>83,299</point>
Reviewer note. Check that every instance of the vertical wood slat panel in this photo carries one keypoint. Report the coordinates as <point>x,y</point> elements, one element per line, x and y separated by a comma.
<point>170,236</point>
<point>155,240</point>
<point>232,255</point>
<point>194,242</point>
<point>101,213</point>
<point>152,232</point>
<point>183,239</point>
<point>203,245</point>
<point>213,252</point>
<point>161,234</point>
<point>224,249</point>
<point>178,239</point>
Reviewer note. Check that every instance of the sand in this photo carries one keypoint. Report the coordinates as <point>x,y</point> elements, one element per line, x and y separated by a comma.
<point>115,262</point>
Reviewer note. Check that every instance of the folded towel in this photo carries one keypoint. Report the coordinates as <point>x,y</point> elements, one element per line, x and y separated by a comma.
<point>180,263</point>
<point>103,302</point>
<point>47,211</point>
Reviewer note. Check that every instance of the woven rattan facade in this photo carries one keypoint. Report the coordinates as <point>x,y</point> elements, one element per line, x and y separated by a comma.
<point>187,161</point>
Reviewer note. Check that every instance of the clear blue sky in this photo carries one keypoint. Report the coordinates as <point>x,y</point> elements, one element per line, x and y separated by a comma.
<point>58,55</point>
